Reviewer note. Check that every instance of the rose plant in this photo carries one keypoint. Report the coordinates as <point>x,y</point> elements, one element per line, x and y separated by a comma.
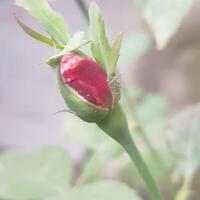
<point>88,82</point>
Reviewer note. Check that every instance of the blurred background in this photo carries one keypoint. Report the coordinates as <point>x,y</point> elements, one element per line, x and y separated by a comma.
<point>28,93</point>
<point>166,79</point>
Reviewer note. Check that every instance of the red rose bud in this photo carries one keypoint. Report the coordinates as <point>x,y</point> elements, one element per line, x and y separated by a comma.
<point>84,86</point>
<point>87,78</point>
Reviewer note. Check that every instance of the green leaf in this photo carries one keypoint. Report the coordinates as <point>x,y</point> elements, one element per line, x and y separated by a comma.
<point>106,154</point>
<point>53,22</point>
<point>37,175</point>
<point>37,35</point>
<point>164,17</point>
<point>151,110</point>
<point>104,190</point>
<point>184,138</point>
<point>104,54</point>
<point>91,137</point>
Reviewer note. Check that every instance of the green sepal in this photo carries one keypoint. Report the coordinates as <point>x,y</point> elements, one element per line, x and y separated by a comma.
<point>52,21</point>
<point>38,36</point>
<point>116,91</point>
<point>105,54</point>
<point>76,41</point>
<point>54,61</point>
<point>82,108</point>
<point>71,47</point>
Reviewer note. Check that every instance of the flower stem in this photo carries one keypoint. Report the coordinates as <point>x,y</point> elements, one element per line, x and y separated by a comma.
<point>115,125</point>
<point>134,154</point>
<point>141,131</point>
<point>147,142</point>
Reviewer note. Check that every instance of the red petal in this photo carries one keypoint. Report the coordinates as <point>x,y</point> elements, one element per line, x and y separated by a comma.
<point>87,78</point>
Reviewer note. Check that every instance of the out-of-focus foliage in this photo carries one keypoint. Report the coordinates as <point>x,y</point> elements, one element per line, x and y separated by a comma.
<point>92,138</point>
<point>41,174</point>
<point>101,161</point>
<point>134,46</point>
<point>151,110</point>
<point>46,174</point>
<point>104,190</point>
<point>86,134</point>
<point>164,17</point>
<point>184,138</point>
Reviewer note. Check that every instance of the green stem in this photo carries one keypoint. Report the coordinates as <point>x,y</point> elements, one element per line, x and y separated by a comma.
<point>142,133</point>
<point>155,155</point>
<point>134,154</point>
<point>115,125</point>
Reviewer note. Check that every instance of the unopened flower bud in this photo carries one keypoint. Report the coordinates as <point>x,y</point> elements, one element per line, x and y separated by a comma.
<point>84,86</point>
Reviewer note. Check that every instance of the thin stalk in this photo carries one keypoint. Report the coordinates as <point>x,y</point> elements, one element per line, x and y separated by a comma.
<point>141,166</point>
<point>83,8</point>
<point>155,155</point>
<point>142,133</point>
<point>115,125</point>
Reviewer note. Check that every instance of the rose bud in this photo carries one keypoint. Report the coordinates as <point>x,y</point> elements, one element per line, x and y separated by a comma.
<point>84,87</point>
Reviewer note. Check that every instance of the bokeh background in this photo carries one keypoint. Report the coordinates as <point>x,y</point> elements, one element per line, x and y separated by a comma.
<point>160,83</point>
<point>28,93</point>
